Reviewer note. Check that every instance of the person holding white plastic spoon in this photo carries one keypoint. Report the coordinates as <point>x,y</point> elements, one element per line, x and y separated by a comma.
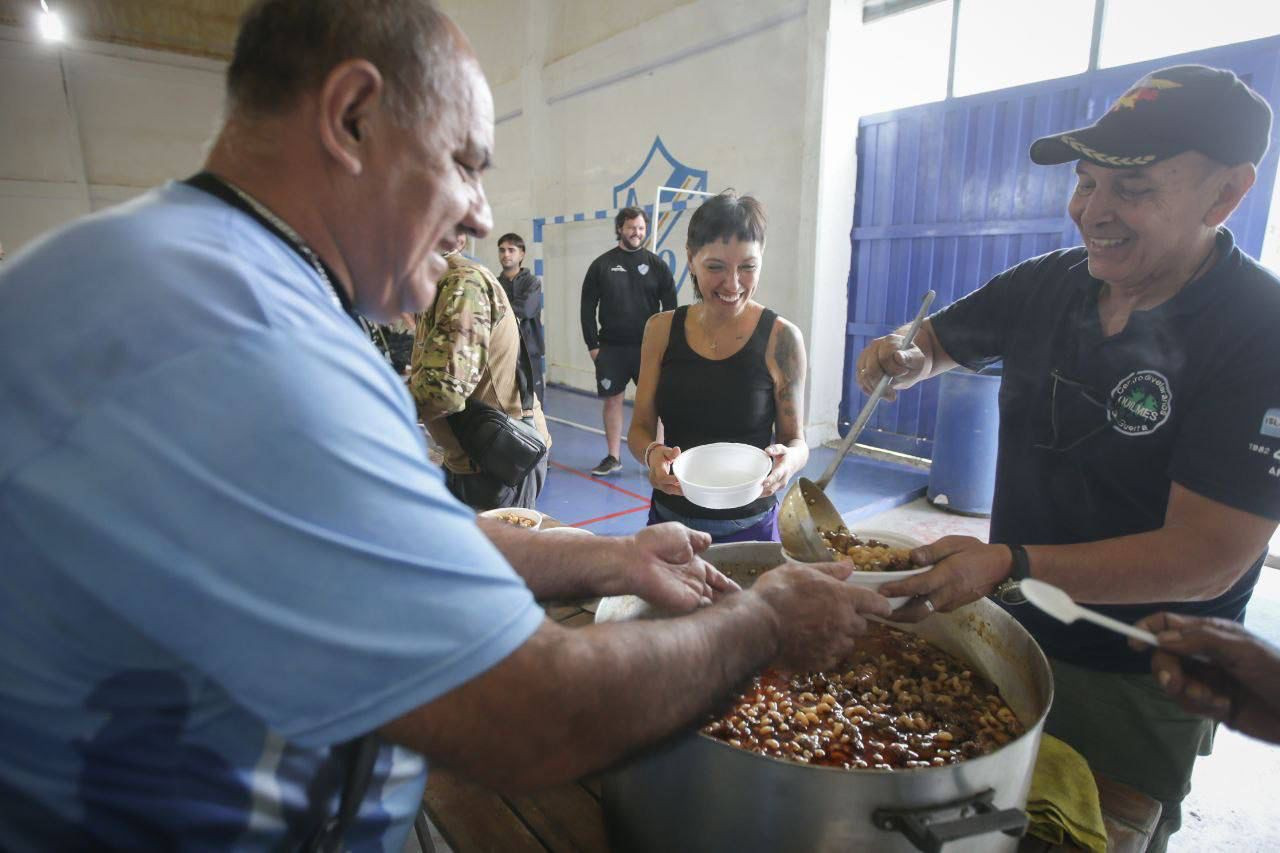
<point>1138,374</point>
<point>1059,605</point>
<point>1237,684</point>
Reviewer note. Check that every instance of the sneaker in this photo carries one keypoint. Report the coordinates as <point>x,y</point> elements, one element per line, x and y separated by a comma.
<point>608,465</point>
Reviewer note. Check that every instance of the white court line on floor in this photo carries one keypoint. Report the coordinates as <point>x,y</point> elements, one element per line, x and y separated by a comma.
<point>577,425</point>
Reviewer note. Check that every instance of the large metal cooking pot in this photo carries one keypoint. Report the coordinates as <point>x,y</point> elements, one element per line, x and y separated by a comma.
<point>694,792</point>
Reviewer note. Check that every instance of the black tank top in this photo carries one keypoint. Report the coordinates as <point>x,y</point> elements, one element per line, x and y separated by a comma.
<point>701,401</point>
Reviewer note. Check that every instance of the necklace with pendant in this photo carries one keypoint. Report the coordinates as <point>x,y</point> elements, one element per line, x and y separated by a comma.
<point>702,321</point>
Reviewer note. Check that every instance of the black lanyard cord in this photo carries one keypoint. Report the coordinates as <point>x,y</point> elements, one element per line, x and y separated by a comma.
<point>242,201</point>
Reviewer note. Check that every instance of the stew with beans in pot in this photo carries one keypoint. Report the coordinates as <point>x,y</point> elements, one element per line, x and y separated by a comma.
<point>899,702</point>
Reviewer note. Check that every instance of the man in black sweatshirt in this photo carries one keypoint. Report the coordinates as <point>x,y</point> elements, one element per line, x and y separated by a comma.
<point>524,292</point>
<point>623,288</point>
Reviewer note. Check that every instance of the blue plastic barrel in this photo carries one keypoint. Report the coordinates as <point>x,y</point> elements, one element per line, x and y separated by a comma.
<point>963,475</point>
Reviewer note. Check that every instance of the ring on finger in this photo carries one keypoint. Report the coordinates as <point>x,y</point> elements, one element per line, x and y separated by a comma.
<point>928,605</point>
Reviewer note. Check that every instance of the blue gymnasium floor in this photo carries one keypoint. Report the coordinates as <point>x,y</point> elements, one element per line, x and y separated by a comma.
<point>619,504</point>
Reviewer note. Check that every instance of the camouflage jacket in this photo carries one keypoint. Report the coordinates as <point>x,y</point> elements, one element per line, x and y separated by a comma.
<point>466,345</point>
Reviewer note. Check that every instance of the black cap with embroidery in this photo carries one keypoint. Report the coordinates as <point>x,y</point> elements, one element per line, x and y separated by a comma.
<point>1184,108</point>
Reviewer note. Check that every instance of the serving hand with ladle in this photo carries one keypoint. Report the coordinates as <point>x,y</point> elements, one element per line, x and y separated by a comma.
<point>908,360</point>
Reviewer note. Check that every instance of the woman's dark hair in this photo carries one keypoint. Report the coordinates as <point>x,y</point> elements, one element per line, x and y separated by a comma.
<point>723,216</point>
<point>626,215</point>
<point>512,238</point>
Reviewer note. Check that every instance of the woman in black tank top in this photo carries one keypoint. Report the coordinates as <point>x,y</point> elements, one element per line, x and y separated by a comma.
<point>723,369</point>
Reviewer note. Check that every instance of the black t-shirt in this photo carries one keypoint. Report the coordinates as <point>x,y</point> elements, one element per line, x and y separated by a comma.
<point>628,288</point>
<point>703,400</point>
<point>1093,430</point>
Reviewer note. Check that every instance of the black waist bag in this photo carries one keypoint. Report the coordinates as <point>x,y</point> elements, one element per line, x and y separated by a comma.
<point>501,446</point>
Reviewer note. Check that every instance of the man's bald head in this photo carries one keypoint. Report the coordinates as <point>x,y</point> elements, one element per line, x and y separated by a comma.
<point>287,47</point>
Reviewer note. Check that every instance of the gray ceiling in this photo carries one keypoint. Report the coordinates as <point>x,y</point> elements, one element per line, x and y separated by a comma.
<point>197,27</point>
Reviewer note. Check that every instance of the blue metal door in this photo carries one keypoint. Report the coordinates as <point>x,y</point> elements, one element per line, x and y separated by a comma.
<point>947,198</point>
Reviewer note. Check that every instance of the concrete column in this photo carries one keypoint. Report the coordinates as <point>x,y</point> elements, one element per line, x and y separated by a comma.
<point>75,141</point>
<point>828,177</point>
<point>534,101</point>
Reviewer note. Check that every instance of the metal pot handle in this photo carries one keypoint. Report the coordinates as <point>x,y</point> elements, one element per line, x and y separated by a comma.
<point>978,816</point>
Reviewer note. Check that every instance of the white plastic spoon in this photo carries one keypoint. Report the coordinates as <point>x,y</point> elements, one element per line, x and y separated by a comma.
<point>1059,605</point>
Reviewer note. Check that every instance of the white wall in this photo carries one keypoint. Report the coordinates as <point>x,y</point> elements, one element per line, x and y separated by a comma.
<point>829,177</point>
<point>745,90</point>
<point>126,120</point>
<point>575,25</point>
<point>736,88</point>
<point>497,31</point>
<point>713,110</point>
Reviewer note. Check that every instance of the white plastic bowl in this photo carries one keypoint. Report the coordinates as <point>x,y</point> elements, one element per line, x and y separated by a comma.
<point>567,531</point>
<point>875,580</point>
<point>723,475</point>
<point>508,513</point>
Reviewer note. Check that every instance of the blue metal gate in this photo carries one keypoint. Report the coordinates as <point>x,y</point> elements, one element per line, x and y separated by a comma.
<point>947,198</point>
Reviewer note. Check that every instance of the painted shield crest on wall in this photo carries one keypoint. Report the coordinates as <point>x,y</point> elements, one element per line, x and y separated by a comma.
<point>661,169</point>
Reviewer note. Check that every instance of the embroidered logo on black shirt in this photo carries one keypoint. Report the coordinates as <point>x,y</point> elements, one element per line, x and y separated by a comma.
<point>1140,403</point>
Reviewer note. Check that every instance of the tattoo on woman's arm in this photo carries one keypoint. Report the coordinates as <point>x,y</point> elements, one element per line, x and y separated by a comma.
<point>789,358</point>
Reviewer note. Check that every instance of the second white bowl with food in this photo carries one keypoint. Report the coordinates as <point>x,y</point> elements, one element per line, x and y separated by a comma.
<point>723,475</point>
<point>517,516</point>
<point>565,530</point>
<point>876,555</point>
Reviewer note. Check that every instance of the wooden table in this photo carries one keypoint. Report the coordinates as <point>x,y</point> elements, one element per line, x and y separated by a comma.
<point>568,818</point>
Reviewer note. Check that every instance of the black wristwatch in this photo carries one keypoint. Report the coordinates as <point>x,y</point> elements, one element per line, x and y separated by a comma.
<point>1010,590</point>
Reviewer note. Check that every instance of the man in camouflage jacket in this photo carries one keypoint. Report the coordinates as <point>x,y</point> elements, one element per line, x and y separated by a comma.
<point>468,346</point>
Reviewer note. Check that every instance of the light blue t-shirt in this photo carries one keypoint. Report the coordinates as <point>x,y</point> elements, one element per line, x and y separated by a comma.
<point>222,547</point>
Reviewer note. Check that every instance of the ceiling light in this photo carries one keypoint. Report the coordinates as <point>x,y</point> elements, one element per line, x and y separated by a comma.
<point>50,24</point>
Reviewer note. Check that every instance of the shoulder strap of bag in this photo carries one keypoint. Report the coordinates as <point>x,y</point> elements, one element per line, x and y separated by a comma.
<point>360,754</point>
<point>524,373</point>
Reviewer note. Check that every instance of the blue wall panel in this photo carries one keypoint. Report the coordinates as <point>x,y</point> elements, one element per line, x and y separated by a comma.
<point>947,198</point>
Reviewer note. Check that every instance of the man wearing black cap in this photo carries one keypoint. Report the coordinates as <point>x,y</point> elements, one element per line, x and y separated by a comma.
<point>1139,460</point>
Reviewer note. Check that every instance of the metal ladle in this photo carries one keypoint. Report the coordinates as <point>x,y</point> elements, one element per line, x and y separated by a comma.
<point>806,509</point>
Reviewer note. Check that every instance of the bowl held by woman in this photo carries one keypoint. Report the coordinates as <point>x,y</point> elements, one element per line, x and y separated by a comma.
<point>723,475</point>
